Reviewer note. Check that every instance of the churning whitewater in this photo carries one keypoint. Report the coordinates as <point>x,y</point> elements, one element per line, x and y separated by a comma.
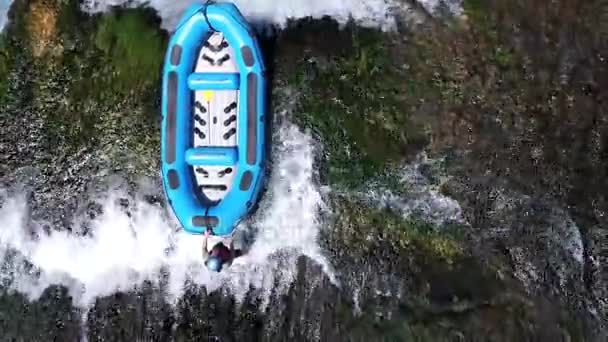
<point>376,13</point>
<point>127,246</point>
<point>371,13</point>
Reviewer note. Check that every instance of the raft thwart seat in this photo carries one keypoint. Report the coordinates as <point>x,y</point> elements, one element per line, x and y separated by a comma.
<point>211,155</point>
<point>213,81</point>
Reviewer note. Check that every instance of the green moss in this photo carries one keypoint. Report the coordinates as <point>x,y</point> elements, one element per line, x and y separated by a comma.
<point>502,57</point>
<point>13,48</point>
<point>413,234</point>
<point>112,58</point>
<point>474,9</point>
<point>5,66</point>
<point>133,50</point>
<point>108,76</point>
<point>98,87</point>
<point>353,103</point>
<point>480,15</point>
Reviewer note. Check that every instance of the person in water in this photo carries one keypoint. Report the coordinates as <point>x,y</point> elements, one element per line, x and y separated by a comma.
<point>220,255</point>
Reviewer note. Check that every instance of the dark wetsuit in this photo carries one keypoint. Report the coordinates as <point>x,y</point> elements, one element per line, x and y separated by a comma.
<point>220,250</point>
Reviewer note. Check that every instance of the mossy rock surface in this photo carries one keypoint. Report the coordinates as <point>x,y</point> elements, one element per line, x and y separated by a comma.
<point>81,104</point>
<point>350,94</point>
<point>512,99</point>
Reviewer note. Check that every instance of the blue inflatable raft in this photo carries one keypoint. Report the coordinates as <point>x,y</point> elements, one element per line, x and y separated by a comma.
<point>213,105</point>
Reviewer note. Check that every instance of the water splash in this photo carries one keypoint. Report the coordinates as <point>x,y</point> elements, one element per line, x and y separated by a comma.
<point>375,13</point>
<point>129,245</point>
<point>4,6</point>
<point>420,197</point>
<point>370,13</point>
<point>453,7</point>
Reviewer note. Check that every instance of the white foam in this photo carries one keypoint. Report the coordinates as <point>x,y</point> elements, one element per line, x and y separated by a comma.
<point>453,7</point>
<point>567,235</point>
<point>421,197</point>
<point>126,249</point>
<point>373,13</point>
<point>4,7</point>
<point>369,13</point>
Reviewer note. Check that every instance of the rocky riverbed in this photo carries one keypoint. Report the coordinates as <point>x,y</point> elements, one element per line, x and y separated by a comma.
<point>456,164</point>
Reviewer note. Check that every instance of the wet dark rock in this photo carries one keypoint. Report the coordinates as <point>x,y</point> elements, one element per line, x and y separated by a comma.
<point>525,149</point>
<point>513,99</point>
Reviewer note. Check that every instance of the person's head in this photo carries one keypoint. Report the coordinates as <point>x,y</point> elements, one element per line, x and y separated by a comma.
<point>215,261</point>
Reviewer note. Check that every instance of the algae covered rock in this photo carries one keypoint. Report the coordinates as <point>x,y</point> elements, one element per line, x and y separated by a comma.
<point>81,101</point>
<point>349,93</point>
<point>491,104</point>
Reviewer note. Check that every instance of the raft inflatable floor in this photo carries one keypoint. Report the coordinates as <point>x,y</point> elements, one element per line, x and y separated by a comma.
<point>214,93</point>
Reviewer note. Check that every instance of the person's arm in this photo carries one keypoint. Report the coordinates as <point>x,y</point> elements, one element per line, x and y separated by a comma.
<point>205,251</point>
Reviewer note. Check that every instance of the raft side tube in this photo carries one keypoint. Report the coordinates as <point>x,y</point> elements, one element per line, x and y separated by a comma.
<point>248,158</point>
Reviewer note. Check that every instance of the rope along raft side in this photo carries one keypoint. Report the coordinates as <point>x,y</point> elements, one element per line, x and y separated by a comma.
<point>213,105</point>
